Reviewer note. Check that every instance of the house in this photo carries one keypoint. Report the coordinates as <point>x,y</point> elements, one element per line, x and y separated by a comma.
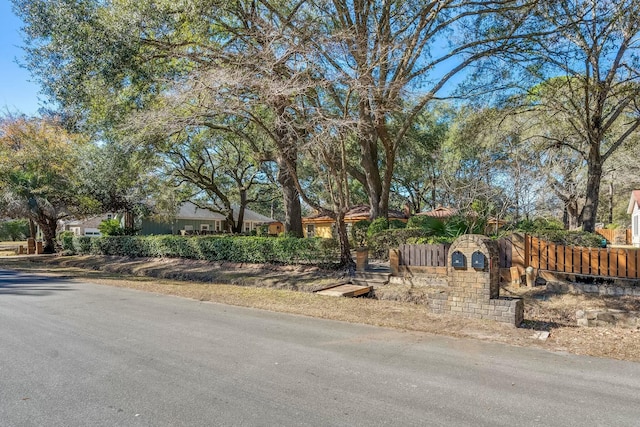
<point>634,211</point>
<point>190,219</point>
<point>87,226</point>
<point>323,225</point>
<point>440,212</point>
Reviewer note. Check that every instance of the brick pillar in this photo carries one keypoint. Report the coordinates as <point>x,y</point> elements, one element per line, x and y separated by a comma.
<point>362,259</point>
<point>394,261</point>
<point>31,246</point>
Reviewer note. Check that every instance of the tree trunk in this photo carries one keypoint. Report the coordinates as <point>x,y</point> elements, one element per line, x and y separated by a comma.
<point>291,200</point>
<point>369,163</point>
<point>32,229</point>
<point>128,222</point>
<point>346,260</point>
<point>48,228</point>
<point>594,176</point>
<point>242,207</point>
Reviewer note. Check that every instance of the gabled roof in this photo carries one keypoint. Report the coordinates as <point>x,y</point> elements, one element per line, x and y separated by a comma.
<point>440,212</point>
<point>635,199</point>
<point>188,210</point>
<point>356,213</point>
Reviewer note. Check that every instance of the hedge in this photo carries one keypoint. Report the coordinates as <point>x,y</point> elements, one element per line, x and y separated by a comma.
<point>286,250</point>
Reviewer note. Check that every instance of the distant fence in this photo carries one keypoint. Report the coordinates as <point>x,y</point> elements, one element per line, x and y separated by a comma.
<point>423,255</point>
<point>517,252</point>
<point>620,237</point>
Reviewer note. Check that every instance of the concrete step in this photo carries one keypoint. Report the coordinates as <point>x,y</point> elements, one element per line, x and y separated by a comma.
<point>372,278</point>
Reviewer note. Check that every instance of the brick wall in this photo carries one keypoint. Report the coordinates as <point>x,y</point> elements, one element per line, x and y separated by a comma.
<point>468,291</point>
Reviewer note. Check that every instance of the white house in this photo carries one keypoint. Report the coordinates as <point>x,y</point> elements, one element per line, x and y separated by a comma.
<point>634,210</point>
<point>86,226</point>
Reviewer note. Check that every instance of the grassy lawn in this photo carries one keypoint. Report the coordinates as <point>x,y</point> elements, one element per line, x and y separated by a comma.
<point>289,289</point>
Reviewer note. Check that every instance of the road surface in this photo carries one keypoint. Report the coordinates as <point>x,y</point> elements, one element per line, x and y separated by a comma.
<point>76,354</point>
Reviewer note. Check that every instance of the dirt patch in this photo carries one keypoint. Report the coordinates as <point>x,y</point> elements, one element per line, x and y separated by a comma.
<point>289,289</point>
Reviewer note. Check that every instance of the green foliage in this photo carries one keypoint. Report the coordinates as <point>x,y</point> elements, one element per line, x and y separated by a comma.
<point>570,237</point>
<point>419,221</point>
<point>110,227</point>
<point>378,225</point>
<point>451,228</point>
<point>65,240</point>
<point>539,224</point>
<point>14,230</point>
<point>285,250</point>
<point>396,224</point>
<point>262,230</point>
<point>359,232</point>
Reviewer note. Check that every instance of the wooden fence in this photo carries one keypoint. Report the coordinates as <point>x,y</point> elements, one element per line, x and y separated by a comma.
<point>518,252</point>
<point>609,262</point>
<point>423,255</point>
<point>621,237</point>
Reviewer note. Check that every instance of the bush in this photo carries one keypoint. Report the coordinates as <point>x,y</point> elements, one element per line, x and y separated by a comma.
<point>285,250</point>
<point>359,232</point>
<point>65,239</point>
<point>570,238</point>
<point>538,224</point>
<point>378,225</point>
<point>396,224</point>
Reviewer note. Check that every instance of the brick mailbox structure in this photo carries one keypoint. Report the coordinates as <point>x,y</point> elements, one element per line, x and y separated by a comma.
<point>473,274</point>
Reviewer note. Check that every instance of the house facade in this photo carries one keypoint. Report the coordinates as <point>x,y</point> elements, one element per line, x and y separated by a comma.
<point>87,226</point>
<point>324,226</point>
<point>634,211</point>
<point>192,220</point>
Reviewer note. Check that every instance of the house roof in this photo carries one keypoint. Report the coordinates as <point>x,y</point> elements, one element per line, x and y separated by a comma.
<point>354,214</point>
<point>188,210</point>
<point>440,212</point>
<point>635,199</point>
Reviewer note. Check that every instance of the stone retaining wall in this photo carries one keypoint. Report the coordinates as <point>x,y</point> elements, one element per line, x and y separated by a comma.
<point>608,317</point>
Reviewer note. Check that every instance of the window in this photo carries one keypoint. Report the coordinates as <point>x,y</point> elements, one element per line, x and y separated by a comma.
<point>311,230</point>
<point>204,227</point>
<point>188,228</point>
<point>247,226</point>
<point>217,225</point>
<point>109,216</point>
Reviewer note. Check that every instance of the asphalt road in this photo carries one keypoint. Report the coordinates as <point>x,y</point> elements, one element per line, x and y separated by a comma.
<point>88,355</point>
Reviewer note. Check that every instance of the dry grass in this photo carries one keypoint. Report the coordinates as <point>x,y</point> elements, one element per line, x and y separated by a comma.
<point>10,248</point>
<point>289,290</point>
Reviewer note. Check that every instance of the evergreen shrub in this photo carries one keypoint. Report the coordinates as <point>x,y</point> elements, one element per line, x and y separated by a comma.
<point>283,250</point>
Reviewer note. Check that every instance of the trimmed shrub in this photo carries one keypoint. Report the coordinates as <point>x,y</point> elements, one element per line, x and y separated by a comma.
<point>65,239</point>
<point>285,250</point>
<point>378,225</point>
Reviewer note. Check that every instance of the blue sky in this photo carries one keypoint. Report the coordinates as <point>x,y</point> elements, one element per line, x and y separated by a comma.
<point>18,93</point>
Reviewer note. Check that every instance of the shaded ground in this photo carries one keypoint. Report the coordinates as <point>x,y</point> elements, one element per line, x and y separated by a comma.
<point>289,289</point>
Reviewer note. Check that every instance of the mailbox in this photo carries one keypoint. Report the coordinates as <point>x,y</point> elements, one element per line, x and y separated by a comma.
<point>478,260</point>
<point>457,260</point>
